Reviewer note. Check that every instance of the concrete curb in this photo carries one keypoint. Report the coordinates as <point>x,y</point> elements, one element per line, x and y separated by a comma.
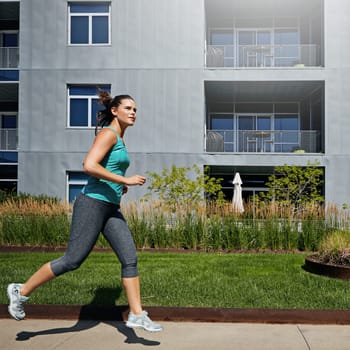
<point>181,314</point>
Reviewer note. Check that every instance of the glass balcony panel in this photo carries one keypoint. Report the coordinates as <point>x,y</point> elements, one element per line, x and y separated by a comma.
<point>287,148</point>
<point>229,50</point>
<point>270,141</point>
<point>289,137</point>
<point>288,51</point>
<point>277,148</point>
<point>215,56</point>
<point>9,57</point>
<point>215,141</point>
<point>229,62</point>
<point>228,136</point>
<point>229,147</point>
<point>263,55</point>
<point>8,139</point>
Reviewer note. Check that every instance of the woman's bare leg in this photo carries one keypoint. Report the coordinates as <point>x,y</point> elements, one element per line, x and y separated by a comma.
<point>132,290</point>
<point>43,275</point>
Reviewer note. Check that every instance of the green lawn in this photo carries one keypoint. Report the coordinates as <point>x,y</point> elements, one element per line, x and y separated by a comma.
<point>193,279</point>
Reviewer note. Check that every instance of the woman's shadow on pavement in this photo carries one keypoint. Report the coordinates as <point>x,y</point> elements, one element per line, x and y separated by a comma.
<point>101,309</point>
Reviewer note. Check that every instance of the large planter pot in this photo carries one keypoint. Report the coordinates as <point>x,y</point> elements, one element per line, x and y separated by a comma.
<point>313,265</point>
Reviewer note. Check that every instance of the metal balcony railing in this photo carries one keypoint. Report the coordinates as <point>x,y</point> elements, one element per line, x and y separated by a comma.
<point>9,57</point>
<point>8,139</point>
<point>273,141</point>
<point>263,56</point>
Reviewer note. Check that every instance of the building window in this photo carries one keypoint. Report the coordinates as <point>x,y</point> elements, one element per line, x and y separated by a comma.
<point>83,106</point>
<point>9,75</point>
<point>89,23</point>
<point>76,180</point>
<point>8,173</point>
<point>254,179</point>
<point>9,53</point>
<point>8,120</point>
<point>8,131</point>
<point>9,39</point>
<point>8,157</point>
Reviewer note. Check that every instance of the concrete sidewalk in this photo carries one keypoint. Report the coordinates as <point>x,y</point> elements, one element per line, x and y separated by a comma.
<point>41,334</point>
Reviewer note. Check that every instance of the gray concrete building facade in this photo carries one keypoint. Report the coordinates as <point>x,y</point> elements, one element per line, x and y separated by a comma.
<point>233,85</point>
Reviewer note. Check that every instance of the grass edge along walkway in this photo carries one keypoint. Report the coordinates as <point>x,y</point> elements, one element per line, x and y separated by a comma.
<point>180,314</point>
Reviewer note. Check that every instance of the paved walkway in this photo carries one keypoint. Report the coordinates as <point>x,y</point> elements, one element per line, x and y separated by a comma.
<point>36,334</point>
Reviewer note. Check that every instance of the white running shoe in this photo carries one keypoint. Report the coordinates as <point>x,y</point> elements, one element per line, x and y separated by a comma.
<point>16,307</point>
<point>143,321</point>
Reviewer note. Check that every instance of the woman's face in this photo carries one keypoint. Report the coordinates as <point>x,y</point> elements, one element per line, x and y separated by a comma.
<point>125,112</point>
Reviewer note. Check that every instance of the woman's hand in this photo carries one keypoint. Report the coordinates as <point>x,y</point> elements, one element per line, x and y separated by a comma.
<point>135,180</point>
<point>125,189</point>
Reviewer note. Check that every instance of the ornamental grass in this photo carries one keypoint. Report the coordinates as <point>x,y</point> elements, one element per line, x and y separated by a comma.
<point>42,221</point>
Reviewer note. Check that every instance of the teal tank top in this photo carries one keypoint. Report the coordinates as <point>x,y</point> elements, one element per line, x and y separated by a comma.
<point>116,161</point>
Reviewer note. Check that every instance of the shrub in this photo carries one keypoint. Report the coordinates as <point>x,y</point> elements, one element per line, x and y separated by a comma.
<point>335,248</point>
<point>174,186</point>
<point>295,185</point>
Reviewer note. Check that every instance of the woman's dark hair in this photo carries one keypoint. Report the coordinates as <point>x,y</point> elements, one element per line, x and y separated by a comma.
<point>105,116</point>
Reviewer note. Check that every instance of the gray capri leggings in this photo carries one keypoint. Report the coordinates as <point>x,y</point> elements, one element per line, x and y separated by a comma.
<point>90,217</point>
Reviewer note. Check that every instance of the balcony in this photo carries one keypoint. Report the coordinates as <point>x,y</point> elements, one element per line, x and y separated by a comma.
<point>263,56</point>
<point>274,33</point>
<point>9,57</point>
<point>265,116</point>
<point>270,141</point>
<point>8,139</point>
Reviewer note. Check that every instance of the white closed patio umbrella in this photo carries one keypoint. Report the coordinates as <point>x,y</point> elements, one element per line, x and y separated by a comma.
<point>237,201</point>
